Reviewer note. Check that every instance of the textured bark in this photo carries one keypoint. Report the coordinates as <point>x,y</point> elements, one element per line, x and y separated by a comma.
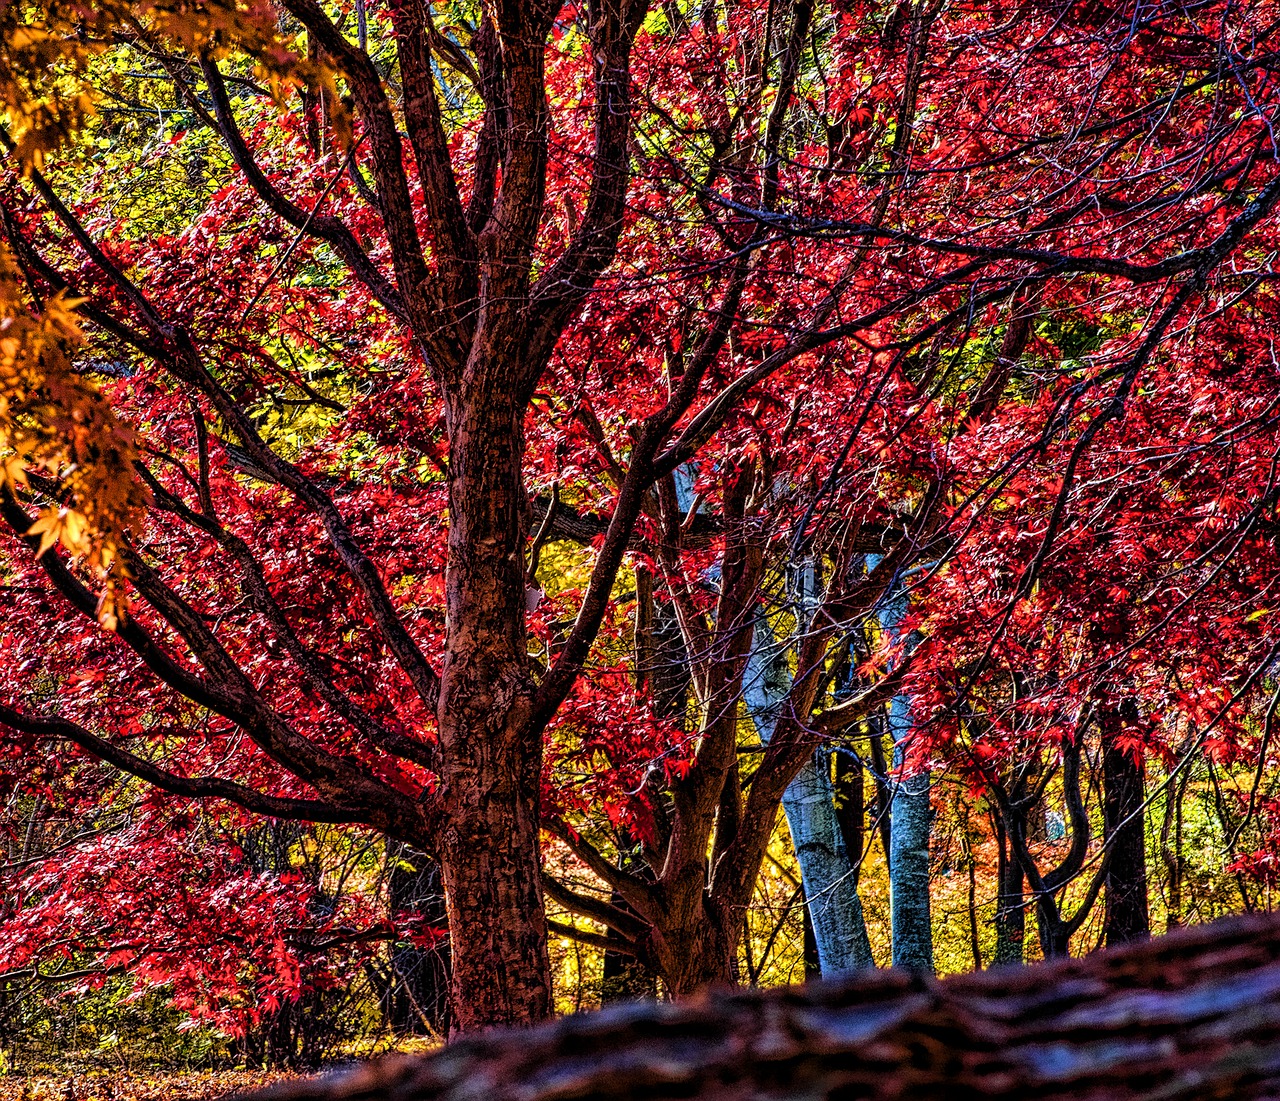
<point>697,947</point>
<point>831,885</point>
<point>911,816</point>
<point>1012,799</point>
<point>491,758</point>
<point>1192,1015</point>
<point>849,783</point>
<point>912,813</point>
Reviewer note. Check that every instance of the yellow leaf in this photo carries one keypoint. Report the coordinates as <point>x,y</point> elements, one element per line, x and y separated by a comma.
<point>48,527</point>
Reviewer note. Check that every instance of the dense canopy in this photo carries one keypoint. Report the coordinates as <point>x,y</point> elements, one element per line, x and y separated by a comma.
<point>673,477</point>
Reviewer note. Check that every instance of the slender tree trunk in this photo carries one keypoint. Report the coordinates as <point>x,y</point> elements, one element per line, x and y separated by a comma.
<point>827,871</point>
<point>1172,854</point>
<point>1055,935</point>
<point>882,808</point>
<point>909,855</point>
<point>1011,914</point>
<point>912,822</point>
<point>812,961</point>
<point>490,760</point>
<point>971,868</point>
<point>1123,792</point>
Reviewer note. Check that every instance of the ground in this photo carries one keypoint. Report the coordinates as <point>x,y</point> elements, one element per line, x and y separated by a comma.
<point>106,1086</point>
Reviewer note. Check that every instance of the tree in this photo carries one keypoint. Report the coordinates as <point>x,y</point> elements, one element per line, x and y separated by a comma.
<point>760,250</point>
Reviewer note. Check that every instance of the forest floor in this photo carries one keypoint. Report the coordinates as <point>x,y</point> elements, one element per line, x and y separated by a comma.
<point>141,1086</point>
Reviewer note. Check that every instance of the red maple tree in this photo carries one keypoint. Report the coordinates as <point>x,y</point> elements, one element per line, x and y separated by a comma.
<point>727,294</point>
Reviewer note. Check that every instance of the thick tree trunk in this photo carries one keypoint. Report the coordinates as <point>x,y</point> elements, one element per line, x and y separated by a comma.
<point>1123,792</point>
<point>698,951</point>
<point>1174,862</point>
<point>491,860</point>
<point>1192,1016</point>
<point>490,759</point>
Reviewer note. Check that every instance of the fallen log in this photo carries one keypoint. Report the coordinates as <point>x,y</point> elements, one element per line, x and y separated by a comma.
<point>1192,1015</point>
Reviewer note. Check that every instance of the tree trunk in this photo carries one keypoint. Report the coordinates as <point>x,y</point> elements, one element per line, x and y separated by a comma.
<point>1055,934</point>
<point>882,807</point>
<point>490,759</point>
<point>1011,913</point>
<point>849,783</point>
<point>911,817</point>
<point>910,916</point>
<point>1126,883</point>
<point>491,860</point>
<point>827,872</point>
<point>699,951</point>
<point>1175,864</point>
<point>1191,1016</point>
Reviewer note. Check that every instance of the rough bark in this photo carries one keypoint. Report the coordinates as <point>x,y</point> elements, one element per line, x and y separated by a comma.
<point>491,759</point>
<point>1192,1015</point>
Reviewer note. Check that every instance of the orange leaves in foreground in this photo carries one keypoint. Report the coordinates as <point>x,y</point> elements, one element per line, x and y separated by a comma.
<point>55,424</point>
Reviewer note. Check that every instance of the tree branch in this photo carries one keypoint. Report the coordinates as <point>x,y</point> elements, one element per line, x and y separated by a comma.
<point>200,787</point>
<point>324,227</point>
